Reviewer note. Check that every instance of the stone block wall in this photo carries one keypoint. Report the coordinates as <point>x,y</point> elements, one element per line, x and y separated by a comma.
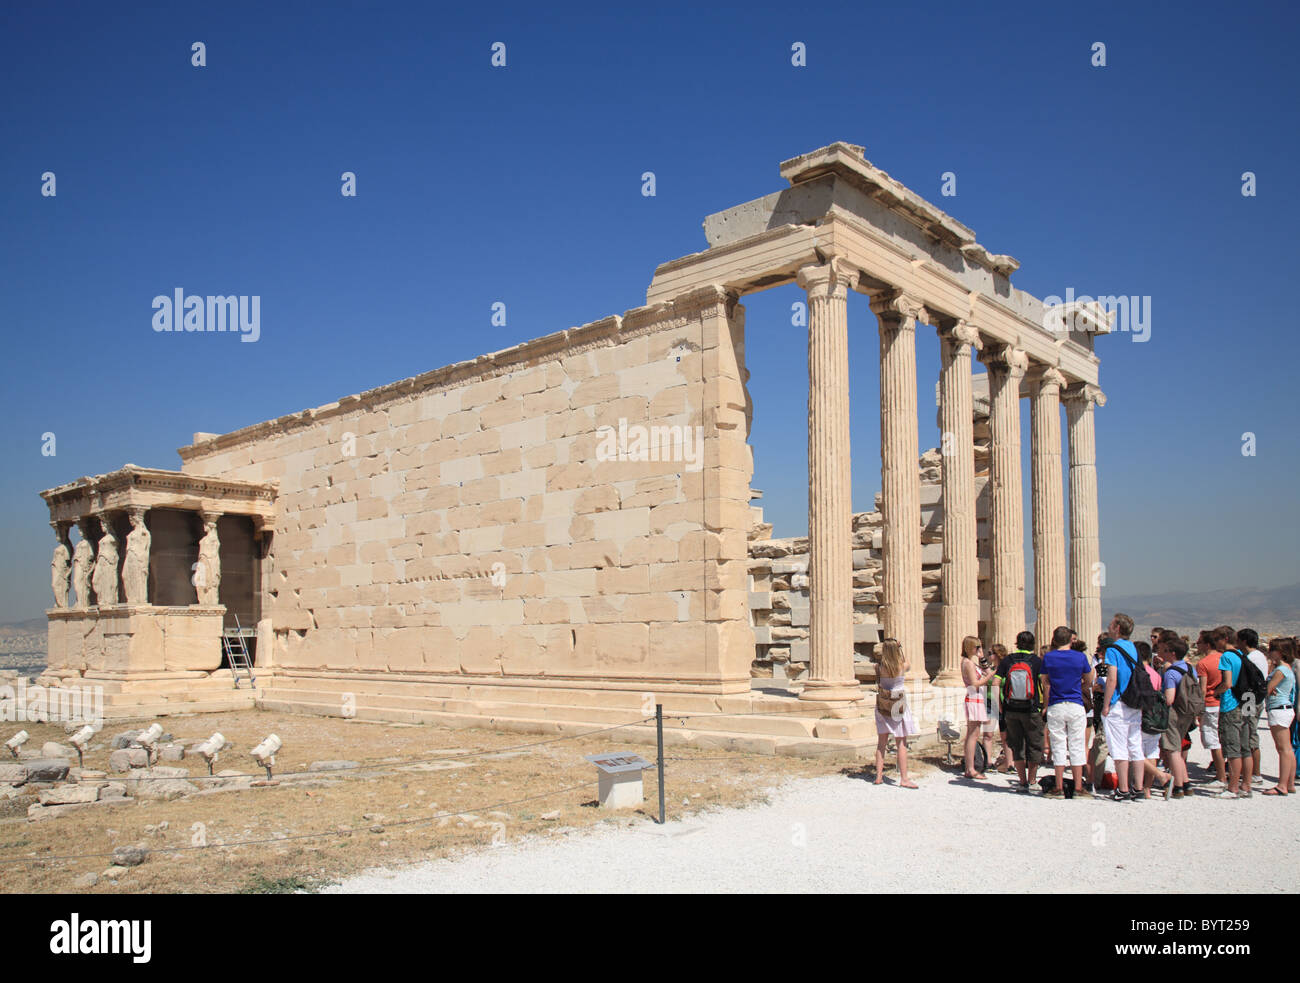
<point>471,522</point>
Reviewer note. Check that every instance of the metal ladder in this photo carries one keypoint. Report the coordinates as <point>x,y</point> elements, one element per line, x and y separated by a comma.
<point>235,647</point>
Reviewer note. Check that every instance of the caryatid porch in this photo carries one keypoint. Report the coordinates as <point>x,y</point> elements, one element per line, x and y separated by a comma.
<point>164,561</point>
<point>844,224</point>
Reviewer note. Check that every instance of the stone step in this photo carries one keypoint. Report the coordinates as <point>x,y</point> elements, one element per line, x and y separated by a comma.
<point>774,720</point>
<point>693,737</point>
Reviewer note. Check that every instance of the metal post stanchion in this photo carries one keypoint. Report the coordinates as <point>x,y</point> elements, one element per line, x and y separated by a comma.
<point>659,728</point>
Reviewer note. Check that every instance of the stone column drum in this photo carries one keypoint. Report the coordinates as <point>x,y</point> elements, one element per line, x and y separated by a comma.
<point>901,610</point>
<point>1048,498</point>
<point>960,569</point>
<point>1085,549</point>
<point>1006,366</point>
<point>830,532</point>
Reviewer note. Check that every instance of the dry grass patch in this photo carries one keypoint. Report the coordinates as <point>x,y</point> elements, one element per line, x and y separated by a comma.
<point>423,792</point>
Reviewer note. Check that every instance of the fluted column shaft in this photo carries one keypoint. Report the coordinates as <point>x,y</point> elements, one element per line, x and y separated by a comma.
<point>1048,504</point>
<point>1085,547</point>
<point>1006,367</point>
<point>902,613</point>
<point>830,509</point>
<point>960,570</point>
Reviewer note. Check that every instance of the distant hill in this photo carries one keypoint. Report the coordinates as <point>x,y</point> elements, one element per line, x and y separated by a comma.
<point>1273,608</point>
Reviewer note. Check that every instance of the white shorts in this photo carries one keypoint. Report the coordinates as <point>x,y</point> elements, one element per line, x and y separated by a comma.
<point>1281,718</point>
<point>1150,745</point>
<point>1067,724</point>
<point>1210,729</point>
<point>1123,727</point>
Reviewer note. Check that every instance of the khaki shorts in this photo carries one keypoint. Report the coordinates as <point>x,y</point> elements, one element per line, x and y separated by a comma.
<point>1179,727</point>
<point>1235,732</point>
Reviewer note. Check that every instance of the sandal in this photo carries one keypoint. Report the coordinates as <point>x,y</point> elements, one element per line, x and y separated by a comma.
<point>908,785</point>
<point>1272,791</point>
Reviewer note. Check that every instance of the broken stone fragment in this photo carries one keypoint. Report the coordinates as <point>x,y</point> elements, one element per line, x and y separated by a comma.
<point>47,769</point>
<point>124,759</point>
<point>130,856</point>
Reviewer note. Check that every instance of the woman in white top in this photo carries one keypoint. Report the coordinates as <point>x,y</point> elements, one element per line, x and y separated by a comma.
<point>976,681</point>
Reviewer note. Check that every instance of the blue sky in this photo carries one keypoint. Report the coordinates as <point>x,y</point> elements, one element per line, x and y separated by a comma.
<point>522,185</point>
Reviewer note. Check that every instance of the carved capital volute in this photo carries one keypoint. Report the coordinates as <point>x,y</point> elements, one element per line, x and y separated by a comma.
<point>1086,394</point>
<point>961,334</point>
<point>1051,378</point>
<point>833,278</point>
<point>897,310</point>
<point>1006,358</point>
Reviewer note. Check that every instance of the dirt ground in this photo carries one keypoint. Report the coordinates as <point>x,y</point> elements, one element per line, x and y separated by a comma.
<point>422,792</point>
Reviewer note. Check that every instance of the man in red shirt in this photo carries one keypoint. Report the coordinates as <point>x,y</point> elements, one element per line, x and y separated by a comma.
<point>1208,669</point>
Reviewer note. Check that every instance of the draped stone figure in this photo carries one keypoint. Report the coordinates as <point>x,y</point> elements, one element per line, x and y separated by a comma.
<point>135,571</point>
<point>207,572</point>
<point>83,558</point>
<point>104,578</point>
<point>60,566</point>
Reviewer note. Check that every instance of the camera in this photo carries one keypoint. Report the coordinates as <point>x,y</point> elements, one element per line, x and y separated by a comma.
<point>984,662</point>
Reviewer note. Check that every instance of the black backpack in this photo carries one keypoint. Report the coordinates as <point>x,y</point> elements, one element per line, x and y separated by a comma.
<point>1249,680</point>
<point>1139,694</point>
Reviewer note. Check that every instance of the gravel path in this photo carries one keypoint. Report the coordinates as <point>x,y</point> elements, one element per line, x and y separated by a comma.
<point>835,834</point>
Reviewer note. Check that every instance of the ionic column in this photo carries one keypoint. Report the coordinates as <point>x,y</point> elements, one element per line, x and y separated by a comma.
<point>1048,503</point>
<point>1006,367</point>
<point>830,520</point>
<point>1085,549</point>
<point>902,613</point>
<point>960,571</point>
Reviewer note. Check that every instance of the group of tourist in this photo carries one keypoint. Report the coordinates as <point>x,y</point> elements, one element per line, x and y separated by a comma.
<point>1114,717</point>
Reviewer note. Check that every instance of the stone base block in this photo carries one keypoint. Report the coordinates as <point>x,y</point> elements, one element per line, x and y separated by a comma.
<point>625,790</point>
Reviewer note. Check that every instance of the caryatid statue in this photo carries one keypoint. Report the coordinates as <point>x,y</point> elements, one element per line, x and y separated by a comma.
<point>60,565</point>
<point>135,571</point>
<point>104,578</point>
<point>83,559</point>
<point>207,572</point>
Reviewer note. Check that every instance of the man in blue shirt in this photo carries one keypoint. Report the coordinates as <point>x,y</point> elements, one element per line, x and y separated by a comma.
<point>1123,723</point>
<point>1065,674</point>
<point>1234,726</point>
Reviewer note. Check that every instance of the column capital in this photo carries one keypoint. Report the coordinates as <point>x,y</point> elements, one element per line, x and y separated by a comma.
<point>902,310</point>
<point>1084,392</point>
<point>1050,378</point>
<point>836,277</point>
<point>1007,358</point>
<point>961,333</point>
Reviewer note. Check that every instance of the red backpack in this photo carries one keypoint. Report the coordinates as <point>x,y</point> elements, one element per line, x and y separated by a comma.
<point>1020,690</point>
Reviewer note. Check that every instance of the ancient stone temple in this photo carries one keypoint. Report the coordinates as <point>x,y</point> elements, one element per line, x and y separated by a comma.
<point>563,532</point>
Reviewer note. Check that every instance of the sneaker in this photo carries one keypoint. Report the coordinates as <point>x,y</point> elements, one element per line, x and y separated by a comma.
<point>1245,795</point>
<point>1023,789</point>
<point>1083,793</point>
<point>1137,796</point>
<point>1177,793</point>
<point>1214,785</point>
<point>1118,796</point>
<point>1225,794</point>
<point>1054,793</point>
